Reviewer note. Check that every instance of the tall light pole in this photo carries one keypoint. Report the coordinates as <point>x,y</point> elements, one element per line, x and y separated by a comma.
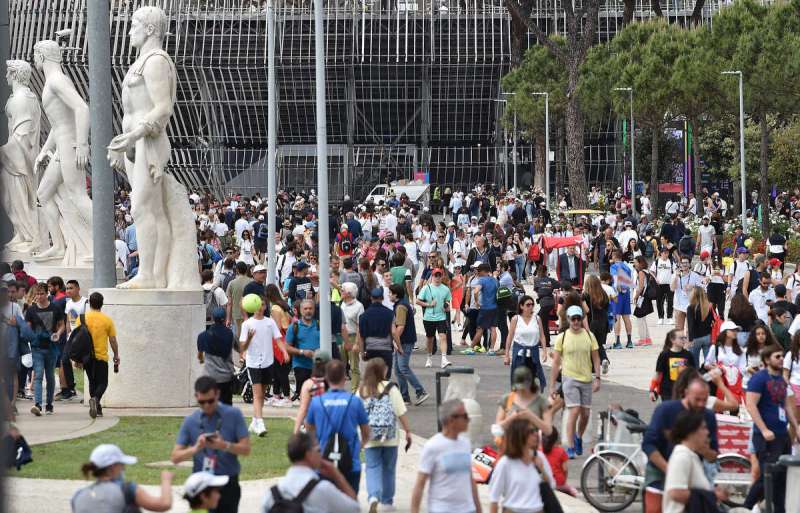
<point>741,139</point>
<point>633,151</point>
<point>323,231</point>
<point>546,145</point>
<point>514,140</point>
<point>272,138</point>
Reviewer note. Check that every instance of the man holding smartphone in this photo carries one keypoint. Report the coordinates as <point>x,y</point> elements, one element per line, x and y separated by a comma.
<point>762,297</point>
<point>214,437</point>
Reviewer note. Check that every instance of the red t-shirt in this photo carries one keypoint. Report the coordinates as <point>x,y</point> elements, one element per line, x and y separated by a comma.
<point>556,458</point>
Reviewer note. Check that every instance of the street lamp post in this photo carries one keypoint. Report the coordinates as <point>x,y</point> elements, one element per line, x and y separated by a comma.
<point>272,138</point>
<point>741,139</point>
<point>546,145</point>
<point>514,140</point>
<point>633,151</point>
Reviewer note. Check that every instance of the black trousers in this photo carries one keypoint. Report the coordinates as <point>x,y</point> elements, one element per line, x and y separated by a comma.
<point>387,357</point>
<point>501,321</point>
<point>300,377</point>
<point>280,384</point>
<point>230,494</point>
<point>769,452</point>
<point>97,372</point>
<point>545,314</point>
<point>226,392</point>
<point>664,293</point>
<point>66,364</point>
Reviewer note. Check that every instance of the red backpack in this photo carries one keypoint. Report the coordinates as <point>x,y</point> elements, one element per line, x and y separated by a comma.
<point>534,252</point>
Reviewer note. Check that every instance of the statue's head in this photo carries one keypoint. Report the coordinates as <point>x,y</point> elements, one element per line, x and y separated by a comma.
<point>148,22</point>
<point>19,72</point>
<point>46,50</point>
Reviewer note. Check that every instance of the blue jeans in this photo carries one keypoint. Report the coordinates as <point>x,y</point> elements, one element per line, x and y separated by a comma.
<point>381,463</point>
<point>519,263</point>
<point>532,362</point>
<point>44,361</point>
<point>699,343</point>
<point>404,374</point>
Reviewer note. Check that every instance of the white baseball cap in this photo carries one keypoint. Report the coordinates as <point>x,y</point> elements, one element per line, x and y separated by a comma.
<point>729,325</point>
<point>199,481</point>
<point>105,455</point>
<point>259,269</point>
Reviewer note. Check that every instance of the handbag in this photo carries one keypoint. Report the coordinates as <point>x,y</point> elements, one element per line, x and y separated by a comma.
<point>549,498</point>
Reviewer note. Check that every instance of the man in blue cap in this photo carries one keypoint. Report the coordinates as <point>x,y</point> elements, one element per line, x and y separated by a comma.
<point>214,347</point>
<point>375,338</point>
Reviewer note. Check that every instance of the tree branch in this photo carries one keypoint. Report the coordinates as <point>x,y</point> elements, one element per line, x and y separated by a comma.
<point>515,10</point>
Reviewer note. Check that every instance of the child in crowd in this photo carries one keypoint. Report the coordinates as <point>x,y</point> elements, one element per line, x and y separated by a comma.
<point>557,458</point>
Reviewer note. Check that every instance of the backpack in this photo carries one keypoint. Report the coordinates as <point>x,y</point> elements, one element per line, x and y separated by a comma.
<point>263,231</point>
<point>81,347</point>
<point>280,504</point>
<point>205,256</point>
<point>210,300</point>
<point>227,279</point>
<point>755,276</point>
<point>648,249</point>
<point>716,324</point>
<point>346,245</point>
<point>505,298</point>
<point>337,450</point>
<point>686,245</point>
<point>534,252</point>
<point>382,419</point>
<point>651,290</point>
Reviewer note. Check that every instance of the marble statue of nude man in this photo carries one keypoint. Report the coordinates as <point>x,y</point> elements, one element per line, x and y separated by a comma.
<point>17,156</point>
<point>159,204</point>
<point>62,188</point>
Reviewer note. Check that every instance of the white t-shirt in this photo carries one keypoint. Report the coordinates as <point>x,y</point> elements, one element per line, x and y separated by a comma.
<point>794,327</point>
<point>684,285</point>
<point>74,309</point>
<point>259,353</point>
<point>793,367</point>
<point>448,462</point>
<point>685,471</point>
<point>516,484</point>
<point>122,253</point>
<point>737,269</point>
<point>351,313</point>
<point>758,298</point>
<point>663,270</point>
<point>706,235</point>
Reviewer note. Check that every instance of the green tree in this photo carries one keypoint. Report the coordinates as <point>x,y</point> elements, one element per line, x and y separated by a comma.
<point>784,162</point>
<point>538,72</point>
<point>764,44</point>
<point>580,34</point>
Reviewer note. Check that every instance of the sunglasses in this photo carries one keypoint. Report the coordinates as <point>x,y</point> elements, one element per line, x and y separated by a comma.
<point>464,416</point>
<point>202,402</point>
<point>527,304</point>
<point>576,318</point>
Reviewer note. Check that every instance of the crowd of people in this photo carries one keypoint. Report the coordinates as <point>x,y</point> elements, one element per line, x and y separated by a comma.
<point>487,271</point>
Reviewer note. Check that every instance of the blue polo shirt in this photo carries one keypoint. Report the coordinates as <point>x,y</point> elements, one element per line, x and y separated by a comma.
<point>307,338</point>
<point>338,410</point>
<point>230,423</point>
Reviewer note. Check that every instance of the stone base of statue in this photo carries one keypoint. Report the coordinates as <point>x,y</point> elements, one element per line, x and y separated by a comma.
<point>157,333</point>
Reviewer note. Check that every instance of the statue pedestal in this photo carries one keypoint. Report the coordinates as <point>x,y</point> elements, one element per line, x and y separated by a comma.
<point>157,333</point>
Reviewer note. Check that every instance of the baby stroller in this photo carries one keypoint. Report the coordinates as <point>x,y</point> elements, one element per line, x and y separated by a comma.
<point>243,385</point>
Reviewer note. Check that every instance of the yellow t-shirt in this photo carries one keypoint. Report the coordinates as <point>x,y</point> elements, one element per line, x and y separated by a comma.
<point>576,354</point>
<point>101,327</point>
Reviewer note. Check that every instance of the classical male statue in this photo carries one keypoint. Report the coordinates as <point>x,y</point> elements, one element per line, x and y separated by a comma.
<point>165,228</point>
<point>17,156</point>
<point>62,188</point>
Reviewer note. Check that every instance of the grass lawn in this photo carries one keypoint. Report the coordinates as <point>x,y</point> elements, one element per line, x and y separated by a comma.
<point>151,440</point>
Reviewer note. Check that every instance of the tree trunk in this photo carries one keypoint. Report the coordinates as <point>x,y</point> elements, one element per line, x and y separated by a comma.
<point>655,5</point>
<point>628,11</point>
<point>539,164</point>
<point>697,12</point>
<point>576,171</point>
<point>654,161</point>
<point>763,183</point>
<point>519,33</point>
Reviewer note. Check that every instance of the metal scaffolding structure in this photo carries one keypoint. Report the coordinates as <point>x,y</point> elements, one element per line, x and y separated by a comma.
<point>410,87</point>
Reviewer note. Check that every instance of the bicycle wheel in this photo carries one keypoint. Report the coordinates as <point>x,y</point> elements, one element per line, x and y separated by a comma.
<point>735,476</point>
<point>610,482</point>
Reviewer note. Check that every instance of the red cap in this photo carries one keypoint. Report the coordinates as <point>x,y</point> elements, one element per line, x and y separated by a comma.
<point>774,262</point>
<point>705,254</point>
<point>437,270</point>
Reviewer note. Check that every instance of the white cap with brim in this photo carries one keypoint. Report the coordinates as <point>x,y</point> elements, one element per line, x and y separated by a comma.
<point>199,481</point>
<point>105,455</point>
<point>729,325</point>
<point>259,269</point>
<point>574,311</point>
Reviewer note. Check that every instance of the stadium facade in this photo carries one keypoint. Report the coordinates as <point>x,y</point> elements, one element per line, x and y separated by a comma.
<point>412,87</point>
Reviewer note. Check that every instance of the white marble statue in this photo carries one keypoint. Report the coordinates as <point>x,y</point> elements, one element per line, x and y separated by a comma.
<point>62,187</point>
<point>17,156</point>
<point>165,228</point>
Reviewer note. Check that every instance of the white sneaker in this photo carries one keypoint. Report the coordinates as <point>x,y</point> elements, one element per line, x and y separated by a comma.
<point>604,367</point>
<point>253,426</point>
<point>445,362</point>
<point>428,363</point>
<point>373,505</point>
<point>661,322</point>
<point>260,429</point>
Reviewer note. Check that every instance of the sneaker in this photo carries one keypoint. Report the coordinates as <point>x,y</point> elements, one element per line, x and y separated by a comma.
<point>629,345</point>
<point>416,347</point>
<point>93,408</point>
<point>60,396</point>
<point>571,453</point>
<point>480,349</point>
<point>70,396</point>
<point>604,367</point>
<point>407,401</point>
<point>36,409</point>
<point>373,505</point>
<point>468,352</point>
<point>48,410</point>
<point>20,394</point>
<point>446,363</point>
<point>252,427</point>
<point>616,345</point>
<point>491,353</point>
<point>660,322</point>
<point>578,445</point>
<point>261,428</point>
<point>428,363</point>
<point>421,398</point>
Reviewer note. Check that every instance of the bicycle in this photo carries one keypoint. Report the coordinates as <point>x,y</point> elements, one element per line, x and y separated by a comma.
<point>611,480</point>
